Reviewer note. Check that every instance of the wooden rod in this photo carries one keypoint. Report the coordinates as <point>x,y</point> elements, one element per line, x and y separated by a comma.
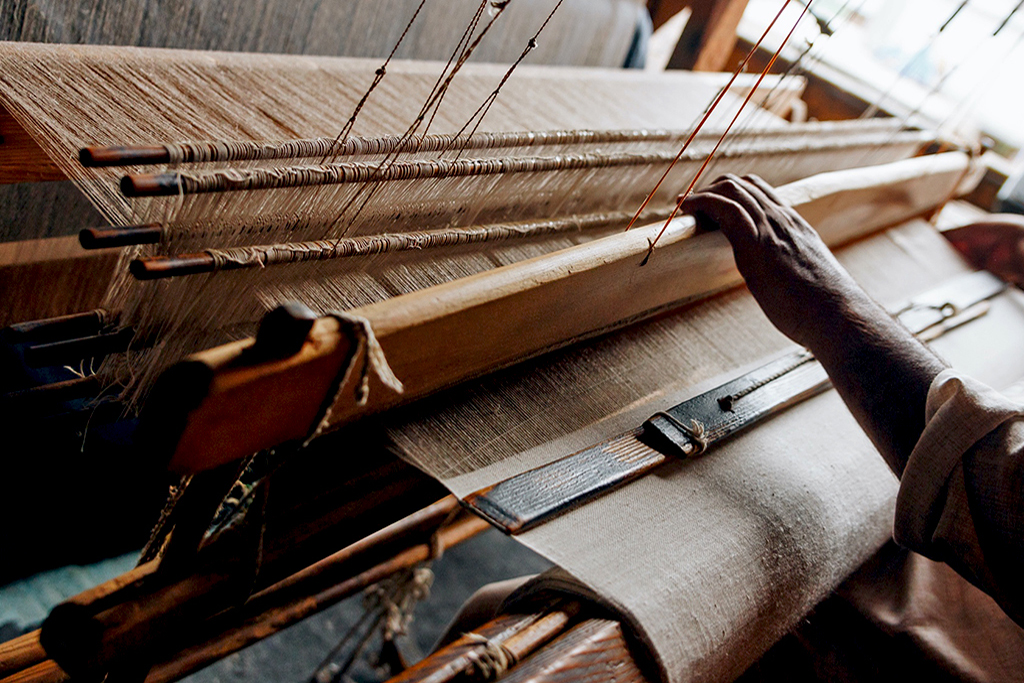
<point>519,635</point>
<point>46,671</point>
<point>20,653</point>
<point>151,185</point>
<point>508,314</point>
<point>71,351</point>
<point>104,238</point>
<point>281,177</point>
<point>318,148</point>
<point>88,640</point>
<point>57,329</point>
<point>160,267</point>
<point>256,625</point>
<point>47,399</point>
<point>263,256</point>
<point>130,155</point>
<point>86,636</point>
<point>305,593</point>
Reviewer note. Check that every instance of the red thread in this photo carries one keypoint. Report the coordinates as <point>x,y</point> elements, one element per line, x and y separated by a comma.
<point>746,100</point>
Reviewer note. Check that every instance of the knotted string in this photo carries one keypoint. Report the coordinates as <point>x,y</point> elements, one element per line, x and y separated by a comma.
<point>373,362</point>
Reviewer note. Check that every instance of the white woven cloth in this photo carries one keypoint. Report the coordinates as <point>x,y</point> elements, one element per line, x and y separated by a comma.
<point>710,561</point>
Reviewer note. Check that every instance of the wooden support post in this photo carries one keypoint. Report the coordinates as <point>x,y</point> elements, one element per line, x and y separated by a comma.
<point>709,36</point>
<point>663,10</point>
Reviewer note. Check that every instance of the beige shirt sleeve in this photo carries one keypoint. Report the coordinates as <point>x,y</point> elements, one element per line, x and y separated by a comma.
<point>961,497</point>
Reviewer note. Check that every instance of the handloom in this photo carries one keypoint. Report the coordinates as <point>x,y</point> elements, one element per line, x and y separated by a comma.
<point>187,223</point>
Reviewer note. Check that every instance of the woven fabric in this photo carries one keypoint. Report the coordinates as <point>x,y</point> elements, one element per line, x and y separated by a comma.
<point>710,560</point>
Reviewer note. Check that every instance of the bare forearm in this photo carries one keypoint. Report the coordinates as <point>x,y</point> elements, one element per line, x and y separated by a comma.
<point>881,371</point>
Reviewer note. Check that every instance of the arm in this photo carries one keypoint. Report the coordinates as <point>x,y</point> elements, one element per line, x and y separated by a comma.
<point>957,446</point>
<point>881,371</point>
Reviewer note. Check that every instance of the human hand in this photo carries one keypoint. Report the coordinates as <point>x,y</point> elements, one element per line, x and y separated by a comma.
<point>995,244</point>
<point>797,281</point>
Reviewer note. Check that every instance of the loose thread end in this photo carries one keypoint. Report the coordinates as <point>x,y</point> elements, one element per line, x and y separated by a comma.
<point>650,252</point>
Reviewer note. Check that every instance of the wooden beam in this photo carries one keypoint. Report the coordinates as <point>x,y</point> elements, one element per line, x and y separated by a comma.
<point>663,10</point>
<point>709,36</point>
<point>26,264</point>
<point>21,159</point>
<point>216,407</point>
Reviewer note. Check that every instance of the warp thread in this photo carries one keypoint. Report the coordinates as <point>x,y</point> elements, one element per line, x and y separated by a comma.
<point>244,150</point>
<point>197,152</point>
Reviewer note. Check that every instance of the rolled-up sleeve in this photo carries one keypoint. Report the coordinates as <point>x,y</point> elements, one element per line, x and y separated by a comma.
<point>961,497</point>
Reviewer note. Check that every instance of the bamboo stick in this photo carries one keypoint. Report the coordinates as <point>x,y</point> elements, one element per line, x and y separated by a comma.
<point>518,636</point>
<point>503,316</point>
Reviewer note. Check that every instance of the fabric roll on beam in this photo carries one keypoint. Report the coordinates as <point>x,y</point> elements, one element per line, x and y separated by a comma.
<point>709,560</point>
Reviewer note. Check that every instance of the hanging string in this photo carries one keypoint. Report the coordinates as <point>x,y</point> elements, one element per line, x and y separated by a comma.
<point>485,107</point>
<point>906,119</point>
<point>714,151</point>
<point>499,7</point>
<point>961,110</point>
<point>460,56</point>
<point>802,64</point>
<point>707,115</point>
<point>876,106</point>
<point>946,76</point>
<point>378,77</point>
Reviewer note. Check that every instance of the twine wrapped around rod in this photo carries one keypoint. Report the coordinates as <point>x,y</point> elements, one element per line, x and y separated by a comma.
<point>234,180</point>
<point>190,152</point>
<point>263,256</point>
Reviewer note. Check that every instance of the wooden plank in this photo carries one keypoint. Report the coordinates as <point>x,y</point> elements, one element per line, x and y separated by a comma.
<point>595,651</point>
<point>21,159</point>
<point>20,653</point>
<point>709,36</point>
<point>76,280</point>
<point>503,316</point>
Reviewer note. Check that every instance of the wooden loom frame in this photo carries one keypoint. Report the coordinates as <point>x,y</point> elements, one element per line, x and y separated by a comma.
<point>503,316</point>
<point>905,190</point>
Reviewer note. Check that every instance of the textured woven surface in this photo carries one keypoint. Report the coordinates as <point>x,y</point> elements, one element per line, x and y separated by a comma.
<point>711,560</point>
<point>584,32</point>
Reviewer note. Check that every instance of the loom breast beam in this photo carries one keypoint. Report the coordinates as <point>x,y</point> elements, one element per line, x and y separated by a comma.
<point>215,407</point>
<point>696,425</point>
